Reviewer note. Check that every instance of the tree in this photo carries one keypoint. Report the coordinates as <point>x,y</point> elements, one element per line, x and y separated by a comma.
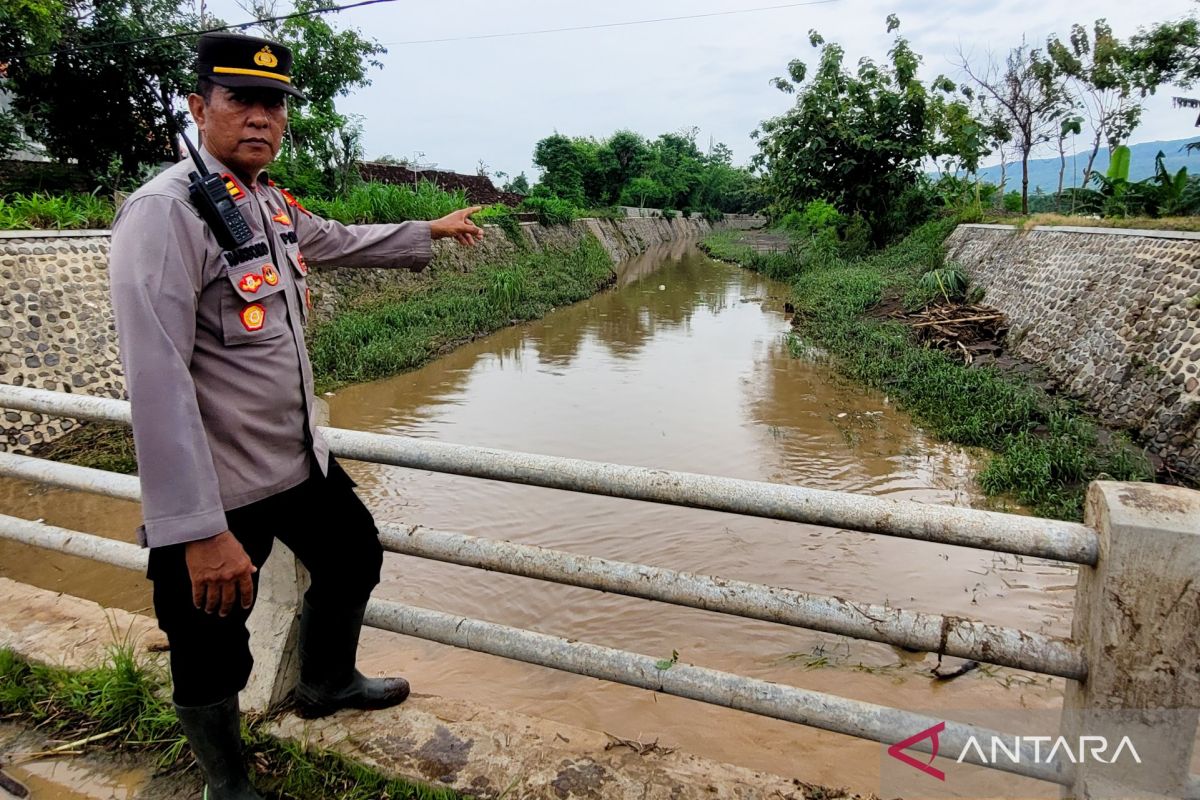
<point>95,101</point>
<point>517,185</point>
<point>859,139</point>
<point>326,64</point>
<point>1105,79</point>
<point>1070,126</point>
<point>1029,95</point>
<point>562,175</point>
<point>30,27</point>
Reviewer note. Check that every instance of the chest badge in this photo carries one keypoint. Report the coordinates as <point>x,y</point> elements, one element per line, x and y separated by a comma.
<point>250,282</point>
<point>235,189</point>
<point>253,316</point>
<point>300,262</point>
<point>282,218</point>
<point>270,275</point>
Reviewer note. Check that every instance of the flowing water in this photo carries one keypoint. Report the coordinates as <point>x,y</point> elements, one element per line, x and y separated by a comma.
<point>686,366</point>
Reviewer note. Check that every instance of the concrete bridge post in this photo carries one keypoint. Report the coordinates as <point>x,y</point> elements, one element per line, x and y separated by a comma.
<point>1137,614</point>
<point>275,621</point>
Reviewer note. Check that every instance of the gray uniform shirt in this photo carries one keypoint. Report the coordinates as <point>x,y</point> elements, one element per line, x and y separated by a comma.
<point>212,342</point>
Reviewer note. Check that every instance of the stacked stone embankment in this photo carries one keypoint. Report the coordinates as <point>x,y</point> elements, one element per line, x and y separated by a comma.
<point>56,322</point>
<point>1113,316</point>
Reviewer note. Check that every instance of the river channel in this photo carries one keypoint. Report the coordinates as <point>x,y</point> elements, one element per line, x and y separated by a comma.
<point>684,365</point>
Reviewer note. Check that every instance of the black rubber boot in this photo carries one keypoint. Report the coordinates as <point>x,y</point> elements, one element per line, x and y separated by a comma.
<point>328,680</point>
<point>215,734</point>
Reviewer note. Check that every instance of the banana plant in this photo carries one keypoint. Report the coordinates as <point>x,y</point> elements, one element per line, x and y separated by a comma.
<point>1169,189</point>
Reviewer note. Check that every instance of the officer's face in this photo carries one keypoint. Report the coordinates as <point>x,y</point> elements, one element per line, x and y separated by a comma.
<point>242,128</point>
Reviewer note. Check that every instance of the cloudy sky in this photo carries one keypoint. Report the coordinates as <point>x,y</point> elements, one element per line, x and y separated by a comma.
<point>459,102</point>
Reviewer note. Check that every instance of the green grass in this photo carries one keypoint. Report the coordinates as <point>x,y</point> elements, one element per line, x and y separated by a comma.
<point>1191,223</point>
<point>401,329</point>
<point>39,211</point>
<point>383,202</point>
<point>128,701</point>
<point>1046,449</point>
<point>505,217</point>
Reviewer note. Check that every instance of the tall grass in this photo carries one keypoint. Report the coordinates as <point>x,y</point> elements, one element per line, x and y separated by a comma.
<point>128,701</point>
<point>1046,448</point>
<point>39,211</point>
<point>402,329</point>
<point>385,202</point>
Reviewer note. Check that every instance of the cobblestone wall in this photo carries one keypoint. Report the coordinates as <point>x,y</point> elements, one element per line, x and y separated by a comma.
<point>56,324</point>
<point>56,329</point>
<point>1112,315</point>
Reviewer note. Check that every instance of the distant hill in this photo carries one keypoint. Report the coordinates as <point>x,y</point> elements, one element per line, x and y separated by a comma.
<point>1043,172</point>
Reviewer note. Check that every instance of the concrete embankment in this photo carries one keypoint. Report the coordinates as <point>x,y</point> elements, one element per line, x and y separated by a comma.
<point>56,323</point>
<point>1112,315</point>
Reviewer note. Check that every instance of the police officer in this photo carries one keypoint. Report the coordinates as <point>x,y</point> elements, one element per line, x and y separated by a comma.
<point>229,455</point>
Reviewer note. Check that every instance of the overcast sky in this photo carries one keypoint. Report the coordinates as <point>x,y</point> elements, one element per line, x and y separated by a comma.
<point>465,101</point>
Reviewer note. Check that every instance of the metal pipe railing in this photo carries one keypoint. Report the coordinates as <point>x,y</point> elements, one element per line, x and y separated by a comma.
<point>778,701</point>
<point>75,543</point>
<point>913,630</point>
<point>949,635</point>
<point>792,704</point>
<point>988,530</point>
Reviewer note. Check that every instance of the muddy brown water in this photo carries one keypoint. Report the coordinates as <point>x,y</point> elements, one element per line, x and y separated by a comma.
<point>684,365</point>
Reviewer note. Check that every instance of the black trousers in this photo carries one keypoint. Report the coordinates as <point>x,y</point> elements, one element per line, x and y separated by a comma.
<point>328,528</point>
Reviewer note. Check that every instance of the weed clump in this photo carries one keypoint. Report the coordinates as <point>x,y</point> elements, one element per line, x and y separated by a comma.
<point>124,704</point>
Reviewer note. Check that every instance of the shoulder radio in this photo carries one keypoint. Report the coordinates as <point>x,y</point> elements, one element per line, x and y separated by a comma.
<point>212,199</point>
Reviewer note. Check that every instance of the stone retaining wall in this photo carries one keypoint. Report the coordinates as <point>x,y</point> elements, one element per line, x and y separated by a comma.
<point>1112,315</point>
<point>56,325</point>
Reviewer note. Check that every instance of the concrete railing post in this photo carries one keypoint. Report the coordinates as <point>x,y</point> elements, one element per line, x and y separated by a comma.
<point>1137,617</point>
<point>275,621</point>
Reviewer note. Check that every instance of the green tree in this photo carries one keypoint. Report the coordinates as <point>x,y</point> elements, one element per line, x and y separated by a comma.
<point>855,139</point>
<point>1029,95</point>
<point>622,157</point>
<point>327,63</point>
<point>30,27</point>
<point>562,174</point>
<point>1107,79</point>
<point>95,101</point>
<point>518,185</point>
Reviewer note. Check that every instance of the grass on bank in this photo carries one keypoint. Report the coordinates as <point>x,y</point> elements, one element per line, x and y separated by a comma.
<point>402,328</point>
<point>128,702</point>
<point>1191,223</point>
<point>1046,448</point>
<point>40,211</point>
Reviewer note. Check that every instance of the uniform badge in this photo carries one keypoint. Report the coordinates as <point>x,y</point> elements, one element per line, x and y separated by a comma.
<point>235,189</point>
<point>265,58</point>
<point>300,262</point>
<point>253,317</point>
<point>270,275</point>
<point>308,297</point>
<point>250,282</point>
<point>282,218</point>
<point>293,202</point>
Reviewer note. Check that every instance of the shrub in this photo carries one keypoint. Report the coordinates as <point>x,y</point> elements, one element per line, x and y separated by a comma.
<point>61,212</point>
<point>551,210</point>
<point>505,218</point>
<point>385,202</point>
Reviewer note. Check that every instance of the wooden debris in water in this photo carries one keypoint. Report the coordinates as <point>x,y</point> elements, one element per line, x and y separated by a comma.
<point>641,748</point>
